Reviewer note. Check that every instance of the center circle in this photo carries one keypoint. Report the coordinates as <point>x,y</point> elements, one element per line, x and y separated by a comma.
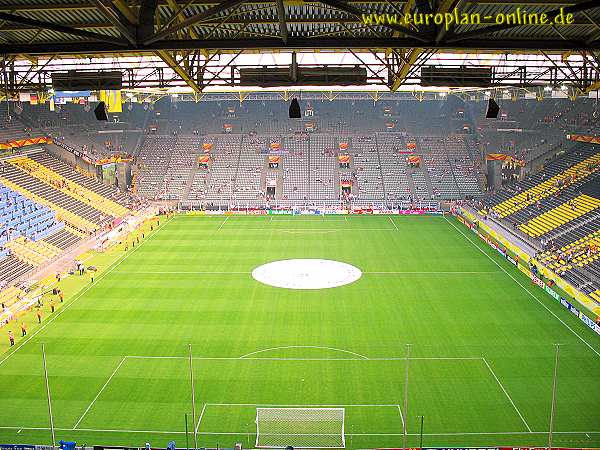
<point>306,274</point>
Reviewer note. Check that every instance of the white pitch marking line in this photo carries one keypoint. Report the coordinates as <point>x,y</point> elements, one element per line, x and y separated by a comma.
<point>304,346</point>
<point>193,272</point>
<point>506,393</point>
<point>223,223</point>
<point>200,418</point>
<point>270,405</point>
<point>393,223</point>
<point>304,220</point>
<point>101,390</point>
<point>401,416</point>
<point>525,289</point>
<point>184,272</point>
<point>116,264</point>
<point>430,272</point>
<point>237,358</point>
<point>322,229</point>
<point>474,433</point>
<point>309,231</point>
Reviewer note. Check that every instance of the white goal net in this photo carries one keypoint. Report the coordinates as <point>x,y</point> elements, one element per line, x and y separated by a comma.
<point>300,427</point>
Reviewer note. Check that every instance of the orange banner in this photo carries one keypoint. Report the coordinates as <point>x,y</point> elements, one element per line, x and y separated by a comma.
<point>390,125</point>
<point>343,146</point>
<point>344,159</point>
<point>228,127</point>
<point>274,159</point>
<point>414,159</point>
<point>25,142</point>
<point>346,183</point>
<point>204,159</point>
<point>411,145</point>
<point>207,147</point>
<point>275,146</point>
<point>584,138</point>
<point>496,157</point>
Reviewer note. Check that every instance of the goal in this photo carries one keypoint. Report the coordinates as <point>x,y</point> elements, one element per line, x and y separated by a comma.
<point>300,427</point>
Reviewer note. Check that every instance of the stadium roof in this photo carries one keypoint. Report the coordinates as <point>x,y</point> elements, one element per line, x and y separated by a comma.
<point>187,37</point>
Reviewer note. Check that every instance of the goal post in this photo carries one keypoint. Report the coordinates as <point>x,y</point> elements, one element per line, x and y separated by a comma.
<point>300,427</point>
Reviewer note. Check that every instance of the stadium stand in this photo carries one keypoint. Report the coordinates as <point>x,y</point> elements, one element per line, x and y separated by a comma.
<point>393,167</point>
<point>367,167</point>
<point>75,127</point>
<point>250,174</point>
<point>566,171</point>
<point>565,213</point>
<point>295,170</point>
<point>68,187</point>
<point>87,182</point>
<point>152,163</point>
<point>177,175</point>
<point>323,178</point>
<point>23,226</point>
<point>558,211</point>
<point>169,132</point>
<point>224,168</point>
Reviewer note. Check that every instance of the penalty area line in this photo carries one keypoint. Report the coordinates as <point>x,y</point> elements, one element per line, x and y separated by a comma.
<point>200,418</point>
<point>99,393</point>
<point>393,223</point>
<point>401,416</point>
<point>507,394</point>
<point>223,223</point>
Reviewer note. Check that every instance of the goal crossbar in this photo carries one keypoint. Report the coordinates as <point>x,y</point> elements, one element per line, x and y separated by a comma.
<point>300,427</point>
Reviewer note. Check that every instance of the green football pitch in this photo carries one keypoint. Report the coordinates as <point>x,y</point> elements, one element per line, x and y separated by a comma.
<point>481,355</point>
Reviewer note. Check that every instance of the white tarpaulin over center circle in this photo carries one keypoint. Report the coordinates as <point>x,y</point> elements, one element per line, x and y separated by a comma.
<point>306,274</point>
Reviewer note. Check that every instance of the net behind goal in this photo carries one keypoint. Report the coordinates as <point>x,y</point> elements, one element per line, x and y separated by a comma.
<point>300,427</point>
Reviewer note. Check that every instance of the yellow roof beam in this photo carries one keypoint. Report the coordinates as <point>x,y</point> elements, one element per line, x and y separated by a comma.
<point>401,75</point>
<point>592,87</point>
<point>443,8</point>
<point>181,17</point>
<point>126,11</point>
<point>170,61</point>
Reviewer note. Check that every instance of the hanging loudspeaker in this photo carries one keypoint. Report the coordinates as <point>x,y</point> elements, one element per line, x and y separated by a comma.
<point>295,109</point>
<point>492,109</point>
<point>100,111</point>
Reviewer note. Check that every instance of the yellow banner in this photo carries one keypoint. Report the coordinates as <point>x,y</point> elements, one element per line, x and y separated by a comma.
<point>112,99</point>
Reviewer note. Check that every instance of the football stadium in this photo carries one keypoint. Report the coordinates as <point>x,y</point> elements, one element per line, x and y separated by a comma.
<point>329,224</point>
